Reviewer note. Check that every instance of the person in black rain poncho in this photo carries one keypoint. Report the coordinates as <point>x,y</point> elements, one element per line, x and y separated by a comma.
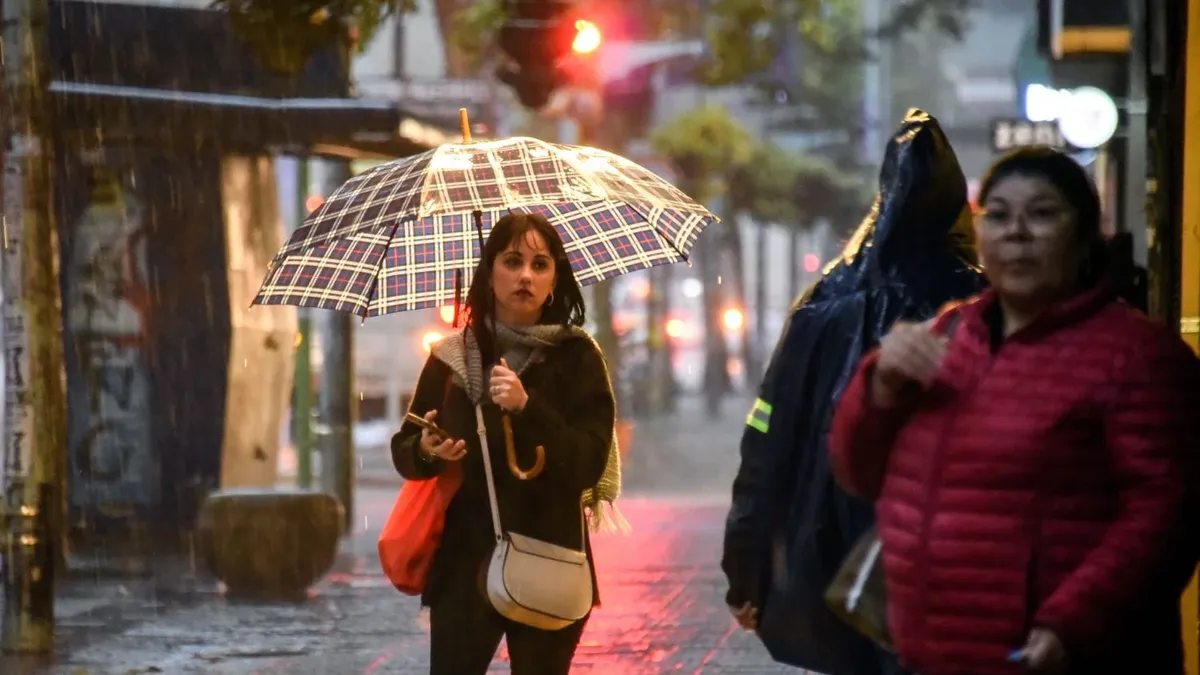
<point>790,526</point>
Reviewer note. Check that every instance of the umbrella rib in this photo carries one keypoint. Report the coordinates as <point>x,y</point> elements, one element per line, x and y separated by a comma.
<point>379,270</point>
<point>662,235</point>
<point>564,154</point>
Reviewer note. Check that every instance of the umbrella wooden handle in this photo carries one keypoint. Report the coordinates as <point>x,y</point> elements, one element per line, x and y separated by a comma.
<point>465,122</point>
<point>511,448</point>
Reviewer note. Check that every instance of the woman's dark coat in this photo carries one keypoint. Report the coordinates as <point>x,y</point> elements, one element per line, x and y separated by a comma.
<point>790,525</point>
<point>570,413</point>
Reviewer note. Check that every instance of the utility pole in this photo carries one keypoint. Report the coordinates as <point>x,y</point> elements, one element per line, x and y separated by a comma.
<point>874,115</point>
<point>336,398</point>
<point>399,45</point>
<point>33,467</point>
<point>302,382</point>
<point>1134,196</point>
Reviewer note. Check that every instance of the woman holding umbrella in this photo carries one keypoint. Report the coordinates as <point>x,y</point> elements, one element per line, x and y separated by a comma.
<point>396,239</point>
<point>524,310</point>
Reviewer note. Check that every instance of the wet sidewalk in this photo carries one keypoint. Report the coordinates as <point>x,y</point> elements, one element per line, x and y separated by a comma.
<point>662,587</point>
<point>680,453</point>
<point>663,612</point>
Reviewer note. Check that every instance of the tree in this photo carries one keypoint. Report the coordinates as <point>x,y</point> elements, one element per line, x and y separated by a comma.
<point>824,192</point>
<point>468,33</point>
<point>284,34</point>
<point>762,189</point>
<point>797,191</point>
<point>745,36</point>
<point>703,145</point>
<point>739,33</point>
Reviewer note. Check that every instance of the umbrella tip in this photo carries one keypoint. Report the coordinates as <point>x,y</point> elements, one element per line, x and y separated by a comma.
<point>464,121</point>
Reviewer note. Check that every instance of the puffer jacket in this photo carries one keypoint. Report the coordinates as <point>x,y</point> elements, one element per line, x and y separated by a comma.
<point>1048,479</point>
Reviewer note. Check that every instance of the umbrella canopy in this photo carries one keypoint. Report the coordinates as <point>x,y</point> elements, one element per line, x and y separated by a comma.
<point>394,238</point>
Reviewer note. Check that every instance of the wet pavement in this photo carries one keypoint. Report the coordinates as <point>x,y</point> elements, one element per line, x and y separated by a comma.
<point>662,612</point>
<point>661,584</point>
<point>686,453</point>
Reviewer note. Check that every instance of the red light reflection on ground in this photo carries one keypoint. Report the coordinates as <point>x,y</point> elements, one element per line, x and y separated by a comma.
<point>661,589</point>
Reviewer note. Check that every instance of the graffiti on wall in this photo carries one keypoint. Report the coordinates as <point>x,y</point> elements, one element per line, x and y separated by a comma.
<point>16,424</point>
<point>110,444</point>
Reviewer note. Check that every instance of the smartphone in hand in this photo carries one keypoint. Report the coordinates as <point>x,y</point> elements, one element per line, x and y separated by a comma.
<point>426,425</point>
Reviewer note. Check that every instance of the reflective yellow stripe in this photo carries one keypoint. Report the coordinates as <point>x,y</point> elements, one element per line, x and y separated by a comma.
<point>760,416</point>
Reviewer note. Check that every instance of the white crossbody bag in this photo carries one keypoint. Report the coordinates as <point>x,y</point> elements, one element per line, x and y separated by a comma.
<point>529,581</point>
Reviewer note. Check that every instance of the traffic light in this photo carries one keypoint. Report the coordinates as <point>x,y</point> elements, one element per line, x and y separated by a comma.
<point>733,319</point>
<point>587,37</point>
<point>540,39</point>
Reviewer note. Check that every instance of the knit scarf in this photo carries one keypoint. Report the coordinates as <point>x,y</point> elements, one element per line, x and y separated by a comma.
<point>522,348</point>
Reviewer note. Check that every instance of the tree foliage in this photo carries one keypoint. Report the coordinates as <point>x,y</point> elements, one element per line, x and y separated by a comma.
<point>703,144</point>
<point>716,155</point>
<point>762,187</point>
<point>474,30</point>
<point>744,34</point>
<point>807,58</point>
<point>821,190</point>
<point>284,34</point>
<point>797,189</point>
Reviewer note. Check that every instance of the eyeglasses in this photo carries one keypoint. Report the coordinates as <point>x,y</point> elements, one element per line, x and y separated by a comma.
<point>1040,219</point>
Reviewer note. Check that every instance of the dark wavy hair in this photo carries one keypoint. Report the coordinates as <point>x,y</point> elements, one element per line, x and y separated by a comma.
<point>1065,174</point>
<point>566,306</point>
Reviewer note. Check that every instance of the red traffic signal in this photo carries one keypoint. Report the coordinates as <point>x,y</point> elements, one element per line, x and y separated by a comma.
<point>587,37</point>
<point>545,44</point>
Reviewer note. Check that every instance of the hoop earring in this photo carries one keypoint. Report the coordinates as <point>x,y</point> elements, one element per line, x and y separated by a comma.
<point>550,299</point>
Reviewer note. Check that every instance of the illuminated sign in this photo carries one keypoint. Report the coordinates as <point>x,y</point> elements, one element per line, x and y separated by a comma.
<point>1010,134</point>
<point>1090,118</point>
<point>1087,117</point>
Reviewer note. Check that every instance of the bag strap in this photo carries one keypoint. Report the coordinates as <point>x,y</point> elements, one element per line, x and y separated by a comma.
<point>487,471</point>
<point>481,429</point>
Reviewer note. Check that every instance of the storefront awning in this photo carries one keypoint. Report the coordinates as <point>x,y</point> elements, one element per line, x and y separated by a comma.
<point>342,126</point>
<point>174,76</point>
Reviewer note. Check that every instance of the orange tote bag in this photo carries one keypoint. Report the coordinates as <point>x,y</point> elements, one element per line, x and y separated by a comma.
<point>413,531</point>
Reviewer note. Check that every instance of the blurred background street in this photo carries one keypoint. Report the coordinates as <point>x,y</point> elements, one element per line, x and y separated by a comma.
<point>162,431</point>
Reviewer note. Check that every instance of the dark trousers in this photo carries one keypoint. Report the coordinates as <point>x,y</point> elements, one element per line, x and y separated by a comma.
<point>465,631</point>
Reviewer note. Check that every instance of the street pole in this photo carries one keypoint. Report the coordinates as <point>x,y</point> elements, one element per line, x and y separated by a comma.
<point>34,393</point>
<point>336,397</point>
<point>302,382</point>
<point>1136,132</point>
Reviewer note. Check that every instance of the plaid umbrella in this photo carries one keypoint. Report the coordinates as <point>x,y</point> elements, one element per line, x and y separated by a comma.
<point>393,238</point>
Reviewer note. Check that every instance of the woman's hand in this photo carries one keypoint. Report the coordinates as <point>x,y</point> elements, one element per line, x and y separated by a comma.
<point>437,446</point>
<point>1043,653</point>
<point>746,616</point>
<point>506,388</point>
<point>909,353</point>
